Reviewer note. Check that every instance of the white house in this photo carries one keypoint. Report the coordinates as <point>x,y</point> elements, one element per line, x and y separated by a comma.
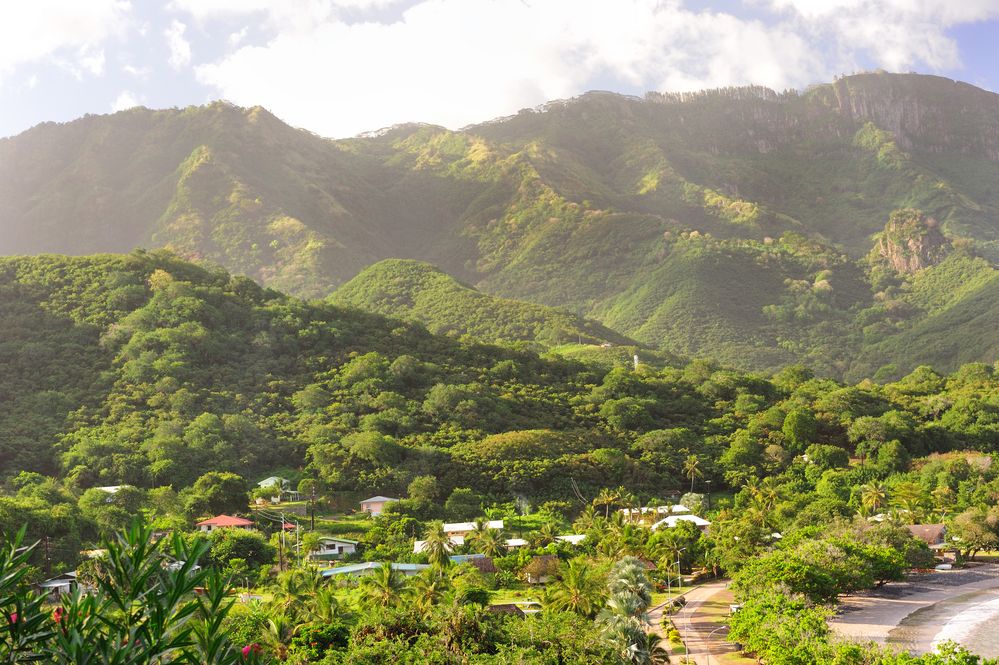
<point>281,487</point>
<point>59,586</point>
<point>676,509</point>
<point>274,481</point>
<point>332,548</point>
<point>375,505</point>
<point>366,568</point>
<point>673,520</point>
<point>465,528</point>
<point>572,539</point>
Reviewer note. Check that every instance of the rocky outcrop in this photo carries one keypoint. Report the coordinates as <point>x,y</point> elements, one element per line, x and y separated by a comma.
<point>923,113</point>
<point>911,242</point>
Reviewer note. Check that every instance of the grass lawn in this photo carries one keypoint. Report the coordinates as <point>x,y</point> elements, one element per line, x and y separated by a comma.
<point>515,595</point>
<point>660,597</point>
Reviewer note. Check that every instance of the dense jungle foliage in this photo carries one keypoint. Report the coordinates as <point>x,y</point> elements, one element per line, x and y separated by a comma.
<point>183,386</point>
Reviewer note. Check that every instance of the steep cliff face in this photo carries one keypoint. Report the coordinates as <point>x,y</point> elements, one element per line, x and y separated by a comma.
<point>911,242</point>
<point>924,113</point>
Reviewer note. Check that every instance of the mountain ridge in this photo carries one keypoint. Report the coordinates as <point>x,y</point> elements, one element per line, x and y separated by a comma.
<point>602,204</point>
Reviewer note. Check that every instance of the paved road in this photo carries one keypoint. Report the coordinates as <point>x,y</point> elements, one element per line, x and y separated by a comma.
<point>700,633</point>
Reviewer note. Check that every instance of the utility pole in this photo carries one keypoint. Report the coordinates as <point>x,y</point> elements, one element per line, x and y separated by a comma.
<point>48,565</point>
<point>282,541</point>
<point>312,508</point>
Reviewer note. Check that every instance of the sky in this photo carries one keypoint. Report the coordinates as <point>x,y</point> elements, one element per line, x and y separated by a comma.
<point>342,67</point>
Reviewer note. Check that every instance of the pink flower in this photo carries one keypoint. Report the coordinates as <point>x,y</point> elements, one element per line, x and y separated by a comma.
<point>13,617</point>
<point>251,648</point>
<point>58,614</point>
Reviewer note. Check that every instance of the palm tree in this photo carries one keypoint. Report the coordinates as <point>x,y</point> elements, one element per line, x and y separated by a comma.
<point>629,502</point>
<point>578,590</point>
<point>628,578</point>
<point>909,496</point>
<point>384,587</point>
<point>427,591</point>
<point>623,619</point>
<point>873,496</point>
<point>324,607</point>
<point>294,586</point>
<point>492,543</point>
<point>769,493</point>
<point>692,469</point>
<point>479,526</point>
<point>545,535</point>
<point>606,498</point>
<point>277,634</point>
<point>437,545</point>
<point>586,520</point>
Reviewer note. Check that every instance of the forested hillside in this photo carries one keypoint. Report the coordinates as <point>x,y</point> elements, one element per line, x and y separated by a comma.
<point>142,386</point>
<point>428,295</point>
<point>740,224</point>
<point>147,370</point>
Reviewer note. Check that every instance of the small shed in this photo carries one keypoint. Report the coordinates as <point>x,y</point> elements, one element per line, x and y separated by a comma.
<point>542,569</point>
<point>507,608</point>
<point>59,585</point>
<point>934,535</point>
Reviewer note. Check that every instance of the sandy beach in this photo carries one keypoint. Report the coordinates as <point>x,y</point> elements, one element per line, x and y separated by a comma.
<point>873,616</point>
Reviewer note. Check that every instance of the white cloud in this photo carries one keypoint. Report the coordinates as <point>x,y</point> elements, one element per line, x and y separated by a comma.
<point>455,62</point>
<point>236,38</point>
<point>180,48</point>
<point>30,31</point>
<point>92,61</point>
<point>125,100</point>
<point>141,73</point>
<point>896,34</point>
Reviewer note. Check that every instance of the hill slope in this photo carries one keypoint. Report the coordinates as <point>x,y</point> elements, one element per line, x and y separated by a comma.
<point>692,223</point>
<point>421,292</point>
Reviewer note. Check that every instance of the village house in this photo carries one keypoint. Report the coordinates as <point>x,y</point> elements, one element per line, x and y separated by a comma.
<point>572,539</point>
<point>281,488</point>
<point>224,522</point>
<point>59,585</point>
<point>375,505</point>
<point>542,569</point>
<point>506,608</point>
<point>366,568</point>
<point>465,528</point>
<point>934,535</point>
<point>330,548</point>
<point>673,520</point>
<point>655,511</point>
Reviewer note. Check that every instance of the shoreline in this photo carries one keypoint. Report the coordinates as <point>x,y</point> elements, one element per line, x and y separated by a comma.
<point>873,617</point>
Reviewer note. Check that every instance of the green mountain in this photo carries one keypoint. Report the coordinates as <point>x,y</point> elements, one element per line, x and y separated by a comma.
<point>423,293</point>
<point>734,223</point>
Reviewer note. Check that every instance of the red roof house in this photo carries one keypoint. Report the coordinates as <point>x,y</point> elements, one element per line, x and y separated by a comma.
<point>224,522</point>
